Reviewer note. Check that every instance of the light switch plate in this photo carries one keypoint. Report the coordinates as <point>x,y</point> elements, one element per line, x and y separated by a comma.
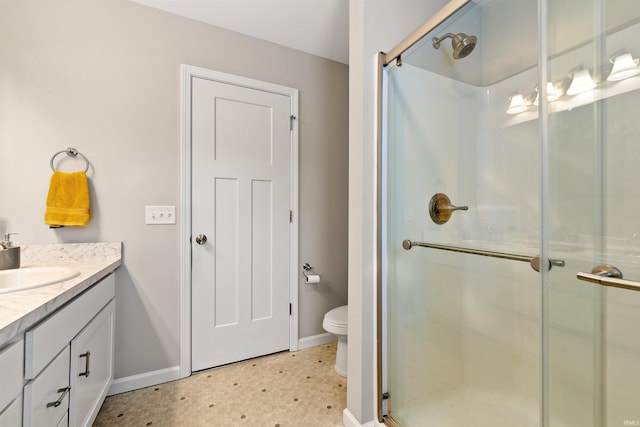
<point>160,215</point>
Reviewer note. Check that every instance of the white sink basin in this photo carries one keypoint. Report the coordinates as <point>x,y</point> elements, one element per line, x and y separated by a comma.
<point>20,279</point>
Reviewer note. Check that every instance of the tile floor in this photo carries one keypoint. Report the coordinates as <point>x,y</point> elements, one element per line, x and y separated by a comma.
<point>288,389</point>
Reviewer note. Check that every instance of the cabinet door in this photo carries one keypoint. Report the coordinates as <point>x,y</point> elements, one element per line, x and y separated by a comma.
<point>45,340</point>
<point>12,414</point>
<point>11,362</point>
<point>64,422</point>
<point>46,398</point>
<point>91,367</point>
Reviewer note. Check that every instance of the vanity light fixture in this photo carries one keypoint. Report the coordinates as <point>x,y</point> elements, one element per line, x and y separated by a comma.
<point>624,66</point>
<point>552,93</point>
<point>517,104</point>
<point>581,82</point>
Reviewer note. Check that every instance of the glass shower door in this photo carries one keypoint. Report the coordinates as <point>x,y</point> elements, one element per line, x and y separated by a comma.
<point>546,166</point>
<point>592,330</point>
<point>463,330</point>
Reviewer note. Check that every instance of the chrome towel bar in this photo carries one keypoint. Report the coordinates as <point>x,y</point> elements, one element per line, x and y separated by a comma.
<point>534,261</point>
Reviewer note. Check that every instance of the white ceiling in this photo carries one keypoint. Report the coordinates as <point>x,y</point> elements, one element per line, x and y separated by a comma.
<point>319,27</point>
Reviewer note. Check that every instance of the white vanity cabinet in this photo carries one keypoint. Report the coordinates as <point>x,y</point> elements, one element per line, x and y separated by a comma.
<point>91,367</point>
<point>11,363</point>
<point>12,414</point>
<point>68,360</point>
<point>46,397</point>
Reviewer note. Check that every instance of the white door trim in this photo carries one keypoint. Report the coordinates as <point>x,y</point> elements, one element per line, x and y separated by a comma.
<point>187,73</point>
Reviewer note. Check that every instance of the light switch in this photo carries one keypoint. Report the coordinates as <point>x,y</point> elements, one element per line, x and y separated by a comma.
<point>160,215</point>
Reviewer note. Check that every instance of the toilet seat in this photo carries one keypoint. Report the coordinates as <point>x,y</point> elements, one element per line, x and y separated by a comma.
<point>336,321</point>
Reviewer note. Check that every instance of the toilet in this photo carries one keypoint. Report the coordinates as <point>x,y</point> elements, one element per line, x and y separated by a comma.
<point>335,322</point>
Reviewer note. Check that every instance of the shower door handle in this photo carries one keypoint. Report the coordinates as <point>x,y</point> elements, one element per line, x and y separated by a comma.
<point>607,275</point>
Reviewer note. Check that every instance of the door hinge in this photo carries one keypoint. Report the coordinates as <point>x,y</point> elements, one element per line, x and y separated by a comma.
<point>290,309</point>
<point>291,119</point>
<point>291,216</point>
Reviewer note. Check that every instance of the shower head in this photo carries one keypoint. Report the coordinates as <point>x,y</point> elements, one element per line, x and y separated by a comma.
<point>462,44</point>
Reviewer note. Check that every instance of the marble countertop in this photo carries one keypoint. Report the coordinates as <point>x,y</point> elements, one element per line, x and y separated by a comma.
<point>21,310</point>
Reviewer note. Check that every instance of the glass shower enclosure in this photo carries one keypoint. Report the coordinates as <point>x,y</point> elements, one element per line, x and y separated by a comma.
<point>509,217</point>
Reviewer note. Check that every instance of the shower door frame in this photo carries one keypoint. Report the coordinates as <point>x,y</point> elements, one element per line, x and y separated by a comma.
<point>384,59</point>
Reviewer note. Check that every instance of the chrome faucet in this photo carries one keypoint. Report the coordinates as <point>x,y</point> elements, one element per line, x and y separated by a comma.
<point>9,254</point>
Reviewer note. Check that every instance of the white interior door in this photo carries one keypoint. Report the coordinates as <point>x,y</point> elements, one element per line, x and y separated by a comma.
<point>241,178</point>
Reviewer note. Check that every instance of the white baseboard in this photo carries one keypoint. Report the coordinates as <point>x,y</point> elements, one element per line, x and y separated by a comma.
<point>134,382</point>
<point>147,379</point>
<point>350,421</point>
<point>315,340</point>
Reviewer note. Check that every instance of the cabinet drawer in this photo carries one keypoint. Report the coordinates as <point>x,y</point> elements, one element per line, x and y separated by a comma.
<point>11,369</point>
<point>46,398</point>
<point>64,422</point>
<point>91,368</point>
<point>46,339</point>
<point>12,415</point>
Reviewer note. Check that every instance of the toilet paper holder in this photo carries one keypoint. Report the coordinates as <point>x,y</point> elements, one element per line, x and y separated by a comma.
<point>310,276</point>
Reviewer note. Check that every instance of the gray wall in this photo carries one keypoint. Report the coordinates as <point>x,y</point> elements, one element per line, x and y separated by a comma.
<point>103,76</point>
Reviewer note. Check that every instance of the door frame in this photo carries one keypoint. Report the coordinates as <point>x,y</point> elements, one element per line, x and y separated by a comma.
<point>187,73</point>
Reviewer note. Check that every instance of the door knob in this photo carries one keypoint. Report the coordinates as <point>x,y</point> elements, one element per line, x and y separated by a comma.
<point>201,239</point>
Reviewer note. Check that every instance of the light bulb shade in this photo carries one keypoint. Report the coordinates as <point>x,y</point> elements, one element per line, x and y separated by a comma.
<point>517,104</point>
<point>624,66</point>
<point>552,94</point>
<point>581,82</point>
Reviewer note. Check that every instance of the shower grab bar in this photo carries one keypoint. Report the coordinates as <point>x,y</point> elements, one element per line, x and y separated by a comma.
<point>533,261</point>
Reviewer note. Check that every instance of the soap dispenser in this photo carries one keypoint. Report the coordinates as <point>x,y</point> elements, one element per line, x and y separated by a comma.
<point>9,254</point>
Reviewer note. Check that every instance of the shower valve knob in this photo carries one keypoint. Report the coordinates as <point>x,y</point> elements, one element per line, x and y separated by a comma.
<point>440,208</point>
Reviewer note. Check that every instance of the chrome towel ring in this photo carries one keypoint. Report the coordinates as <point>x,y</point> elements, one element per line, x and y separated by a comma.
<point>71,152</point>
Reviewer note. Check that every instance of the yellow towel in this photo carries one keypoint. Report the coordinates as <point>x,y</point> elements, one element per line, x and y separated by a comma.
<point>68,201</point>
